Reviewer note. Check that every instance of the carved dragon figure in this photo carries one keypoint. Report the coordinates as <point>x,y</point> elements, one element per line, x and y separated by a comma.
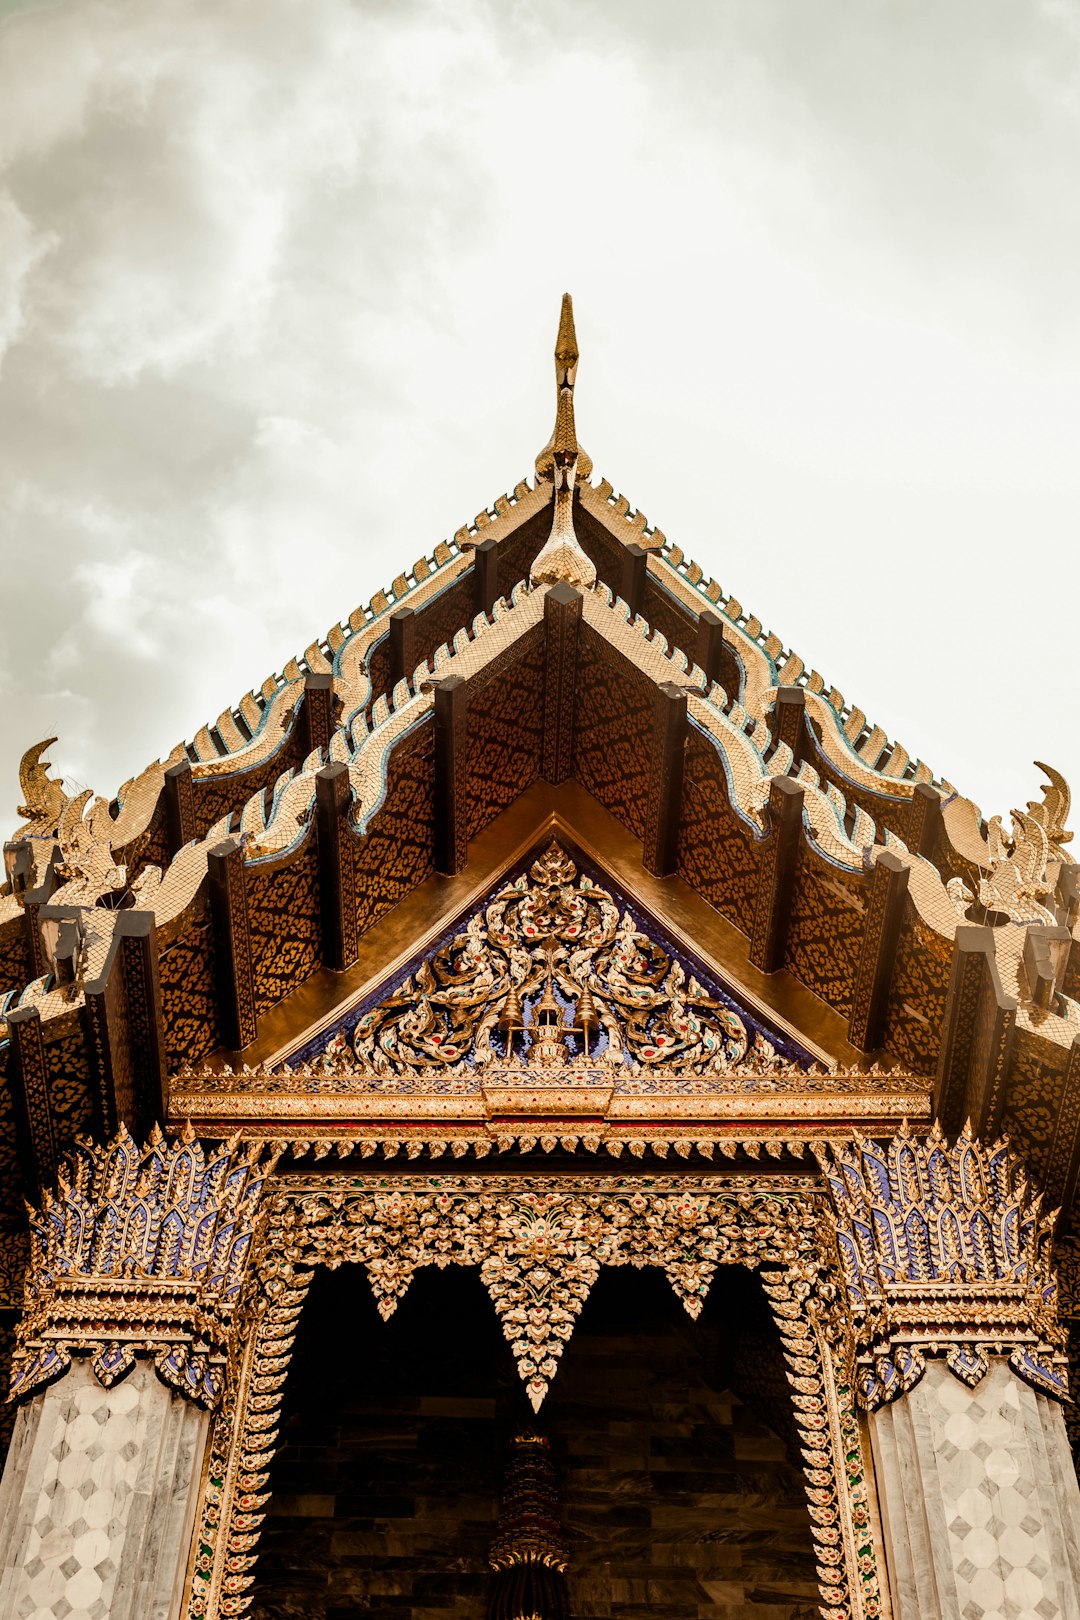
<point>1022,867</point>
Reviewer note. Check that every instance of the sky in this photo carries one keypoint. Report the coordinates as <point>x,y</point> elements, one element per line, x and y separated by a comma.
<point>279,285</point>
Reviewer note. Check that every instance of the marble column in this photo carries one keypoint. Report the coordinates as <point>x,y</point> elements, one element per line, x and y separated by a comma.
<point>98,1500</point>
<point>979,1500</point>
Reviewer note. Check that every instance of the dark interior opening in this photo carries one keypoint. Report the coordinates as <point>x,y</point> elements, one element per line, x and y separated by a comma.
<point>678,1466</point>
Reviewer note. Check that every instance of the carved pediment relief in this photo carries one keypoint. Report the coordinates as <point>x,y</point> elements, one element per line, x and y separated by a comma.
<point>553,981</point>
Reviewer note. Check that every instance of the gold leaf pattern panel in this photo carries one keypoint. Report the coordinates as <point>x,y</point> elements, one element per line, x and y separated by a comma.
<point>67,1065</point>
<point>15,967</point>
<point>916,1010</point>
<point>189,997</point>
<point>506,728</point>
<point>719,855</point>
<point>613,717</point>
<point>825,927</point>
<point>397,852</point>
<point>284,923</point>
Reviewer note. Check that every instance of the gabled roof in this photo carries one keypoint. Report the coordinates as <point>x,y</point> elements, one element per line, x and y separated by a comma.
<point>556,640</point>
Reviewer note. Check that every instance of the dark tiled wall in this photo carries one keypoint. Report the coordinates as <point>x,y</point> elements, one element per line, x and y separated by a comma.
<point>678,1496</point>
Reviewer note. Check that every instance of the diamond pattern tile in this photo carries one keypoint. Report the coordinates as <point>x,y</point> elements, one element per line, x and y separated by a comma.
<point>78,1551</point>
<point>995,1499</point>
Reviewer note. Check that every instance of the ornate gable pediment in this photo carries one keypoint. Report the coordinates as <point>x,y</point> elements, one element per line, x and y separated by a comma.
<point>553,979</point>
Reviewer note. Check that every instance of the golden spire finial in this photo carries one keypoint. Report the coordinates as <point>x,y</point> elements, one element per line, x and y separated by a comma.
<point>566,364</point>
<point>566,349</point>
<point>562,462</point>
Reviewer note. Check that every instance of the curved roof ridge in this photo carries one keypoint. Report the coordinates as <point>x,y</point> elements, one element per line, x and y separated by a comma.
<point>865,744</point>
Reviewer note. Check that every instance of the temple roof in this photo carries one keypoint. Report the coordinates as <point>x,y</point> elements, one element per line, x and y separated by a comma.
<point>557,645</point>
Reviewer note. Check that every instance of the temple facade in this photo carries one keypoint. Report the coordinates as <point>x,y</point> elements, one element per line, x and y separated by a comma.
<point>542,1109</point>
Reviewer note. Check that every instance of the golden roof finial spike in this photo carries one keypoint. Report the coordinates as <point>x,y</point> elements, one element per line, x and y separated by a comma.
<point>566,364</point>
<point>562,462</point>
<point>566,349</point>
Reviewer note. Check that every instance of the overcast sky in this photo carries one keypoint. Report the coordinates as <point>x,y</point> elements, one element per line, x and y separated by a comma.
<point>279,283</point>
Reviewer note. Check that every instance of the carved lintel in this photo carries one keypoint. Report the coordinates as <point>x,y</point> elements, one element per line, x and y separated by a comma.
<point>451,775</point>
<point>30,1093</point>
<point>232,939</point>
<point>632,579</point>
<point>665,780</point>
<point>924,820</point>
<point>562,617</point>
<point>179,792</point>
<point>485,575</point>
<point>402,638</point>
<point>790,718</point>
<point>777,875</point>
<point>877,957</point>
<point>318,711</point>
<point>976,1041</point>
<point>337,867</point>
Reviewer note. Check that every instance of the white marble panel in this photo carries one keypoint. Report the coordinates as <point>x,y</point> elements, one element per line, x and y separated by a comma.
<point>97,1500</point>
<point>979,1501</point>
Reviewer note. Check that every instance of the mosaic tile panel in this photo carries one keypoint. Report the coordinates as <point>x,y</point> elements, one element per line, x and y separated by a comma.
<point>97,1500</point>
<point>980,1504</point>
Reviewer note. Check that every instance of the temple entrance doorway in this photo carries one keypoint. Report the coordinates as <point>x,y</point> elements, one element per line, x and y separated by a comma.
<point>678,1469</point>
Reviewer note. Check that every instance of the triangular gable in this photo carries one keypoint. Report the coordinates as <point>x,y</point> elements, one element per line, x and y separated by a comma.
<point>554,973</point>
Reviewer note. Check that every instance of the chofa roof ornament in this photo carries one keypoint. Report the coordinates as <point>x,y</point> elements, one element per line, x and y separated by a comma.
<point>561,462</point>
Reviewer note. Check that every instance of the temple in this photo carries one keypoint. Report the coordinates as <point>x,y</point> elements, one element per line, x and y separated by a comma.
<point>541,1109</point>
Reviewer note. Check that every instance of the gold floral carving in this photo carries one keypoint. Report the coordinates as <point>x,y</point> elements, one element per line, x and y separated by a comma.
<point>141,1251</point>
<point>944,1249</point>
<point>539,1244</point>
<point>550,973</point>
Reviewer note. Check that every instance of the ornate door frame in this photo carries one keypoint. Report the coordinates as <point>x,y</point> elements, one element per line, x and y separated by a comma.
<point>539,1242</point>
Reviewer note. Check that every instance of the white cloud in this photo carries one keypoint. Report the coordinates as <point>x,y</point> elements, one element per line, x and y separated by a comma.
<point>279,289</point>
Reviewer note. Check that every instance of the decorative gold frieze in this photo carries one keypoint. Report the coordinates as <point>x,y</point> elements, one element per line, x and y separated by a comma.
<point>553,980</point>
